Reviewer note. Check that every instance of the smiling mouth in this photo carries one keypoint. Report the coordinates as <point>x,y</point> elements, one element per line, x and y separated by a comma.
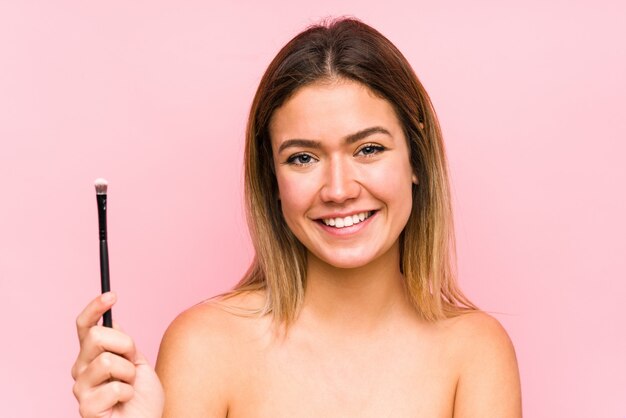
<point>346,221</point>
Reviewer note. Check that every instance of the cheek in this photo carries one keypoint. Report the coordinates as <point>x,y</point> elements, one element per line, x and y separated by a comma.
<point>393,187</point>
<point>391,182</point>
<point>296,195</point>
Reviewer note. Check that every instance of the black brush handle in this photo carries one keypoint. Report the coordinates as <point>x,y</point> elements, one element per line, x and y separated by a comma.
<point>105,284</point>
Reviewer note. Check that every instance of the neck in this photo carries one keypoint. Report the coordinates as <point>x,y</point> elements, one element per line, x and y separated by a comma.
<point>357,298</point>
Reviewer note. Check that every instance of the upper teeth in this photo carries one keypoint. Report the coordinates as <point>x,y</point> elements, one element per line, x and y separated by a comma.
<point>347,221</point>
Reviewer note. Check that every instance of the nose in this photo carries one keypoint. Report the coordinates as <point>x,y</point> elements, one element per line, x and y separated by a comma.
<point>340,183</point>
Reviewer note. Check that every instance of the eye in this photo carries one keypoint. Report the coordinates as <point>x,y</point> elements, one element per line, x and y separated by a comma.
<point>300,159</point>
<point>370,149</point>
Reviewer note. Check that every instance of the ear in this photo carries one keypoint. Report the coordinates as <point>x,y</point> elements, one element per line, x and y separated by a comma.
<point>414,179</point>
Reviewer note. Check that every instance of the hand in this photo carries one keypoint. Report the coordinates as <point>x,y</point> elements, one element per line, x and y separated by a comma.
<point>113,380</point>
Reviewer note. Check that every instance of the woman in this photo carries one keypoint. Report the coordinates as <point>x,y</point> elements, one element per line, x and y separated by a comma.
<point>350,308</point>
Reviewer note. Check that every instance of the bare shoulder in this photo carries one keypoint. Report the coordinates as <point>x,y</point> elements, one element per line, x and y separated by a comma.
<point>201,355</point>
<point>475,330</point>
<point>489,384</point>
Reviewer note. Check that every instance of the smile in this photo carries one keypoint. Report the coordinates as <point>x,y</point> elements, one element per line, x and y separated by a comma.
<point>347,221</point>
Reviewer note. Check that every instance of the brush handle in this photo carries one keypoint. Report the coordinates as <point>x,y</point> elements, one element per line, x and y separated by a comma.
<point>105,283</point>
<point>102,216</point>
<point>107,319</point>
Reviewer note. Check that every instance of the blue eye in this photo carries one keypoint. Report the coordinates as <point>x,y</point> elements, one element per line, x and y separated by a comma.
<point>370,149</point>
<point>300,159</point>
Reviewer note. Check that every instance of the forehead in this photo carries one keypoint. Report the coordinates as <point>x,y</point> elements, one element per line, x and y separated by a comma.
<point>328,110</point>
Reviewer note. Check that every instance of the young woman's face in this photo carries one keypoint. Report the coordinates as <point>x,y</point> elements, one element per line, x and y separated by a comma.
<point>343,172</point>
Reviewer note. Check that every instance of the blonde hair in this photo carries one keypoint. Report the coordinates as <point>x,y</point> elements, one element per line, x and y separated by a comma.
<point>350,49</point>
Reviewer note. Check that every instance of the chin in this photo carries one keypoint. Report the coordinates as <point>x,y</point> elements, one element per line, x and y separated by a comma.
<point>346,261</point>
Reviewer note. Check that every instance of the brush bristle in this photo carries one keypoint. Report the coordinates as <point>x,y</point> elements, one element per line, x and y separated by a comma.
<point>101,186</point>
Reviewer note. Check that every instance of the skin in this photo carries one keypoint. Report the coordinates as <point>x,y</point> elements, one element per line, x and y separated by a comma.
<point>112,379</point>
<point>357,348</point>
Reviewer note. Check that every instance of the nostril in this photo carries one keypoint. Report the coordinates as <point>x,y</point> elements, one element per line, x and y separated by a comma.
<point>339,193</point>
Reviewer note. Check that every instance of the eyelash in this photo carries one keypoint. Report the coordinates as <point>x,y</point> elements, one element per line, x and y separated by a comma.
<point>377,148</point>
<point>293,159</point>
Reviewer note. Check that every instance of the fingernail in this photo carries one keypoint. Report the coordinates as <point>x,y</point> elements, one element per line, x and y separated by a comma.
<point>108,297</point>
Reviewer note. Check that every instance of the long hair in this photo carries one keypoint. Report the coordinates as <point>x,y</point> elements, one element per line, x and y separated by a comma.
<point>349,49</point>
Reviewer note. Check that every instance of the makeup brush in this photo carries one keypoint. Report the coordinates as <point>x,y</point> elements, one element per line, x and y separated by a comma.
<point>101,197</point>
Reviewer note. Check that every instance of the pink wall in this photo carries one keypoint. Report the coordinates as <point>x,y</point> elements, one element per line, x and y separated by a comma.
<point>153,96</point>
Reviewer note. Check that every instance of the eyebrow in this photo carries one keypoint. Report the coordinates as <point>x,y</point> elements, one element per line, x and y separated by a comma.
<point>350,139</point>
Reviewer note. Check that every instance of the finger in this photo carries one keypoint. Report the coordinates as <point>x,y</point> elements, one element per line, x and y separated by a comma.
<point>99,340</point>
<point>97,402</point>
<point>117,326</point>
<point>107,366</point>
<point>93,312</point>
<point>141,360</point>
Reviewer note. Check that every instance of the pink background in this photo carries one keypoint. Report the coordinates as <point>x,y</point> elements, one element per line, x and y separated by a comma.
<point>153,96</point>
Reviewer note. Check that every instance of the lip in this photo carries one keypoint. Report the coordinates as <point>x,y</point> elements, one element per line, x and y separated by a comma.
<point>346,230</point>
<point>344,215</point>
